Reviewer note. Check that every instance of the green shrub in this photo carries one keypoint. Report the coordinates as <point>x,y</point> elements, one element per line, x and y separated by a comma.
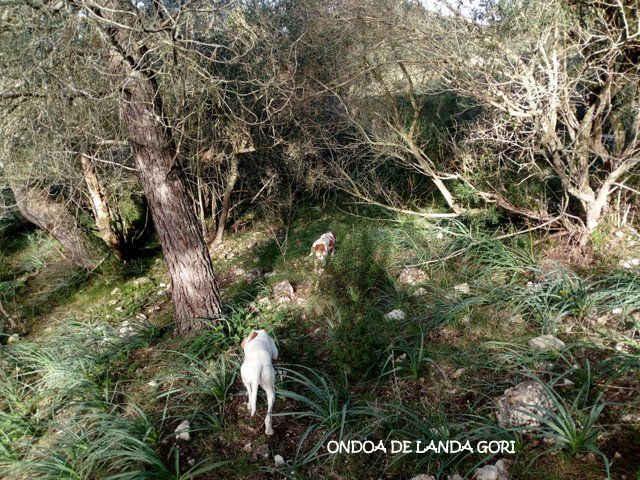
<point>356,279</point>
<point>358,346</point>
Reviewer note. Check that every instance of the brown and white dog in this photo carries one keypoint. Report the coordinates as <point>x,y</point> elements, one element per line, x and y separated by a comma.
<point>257,371</point>
<point>324,247</point>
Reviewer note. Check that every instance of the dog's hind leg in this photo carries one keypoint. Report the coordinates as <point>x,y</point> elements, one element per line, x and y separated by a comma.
<point>271,398</point>
<point>247,385</point>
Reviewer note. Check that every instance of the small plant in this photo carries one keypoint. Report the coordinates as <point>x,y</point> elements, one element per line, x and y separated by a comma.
<point>407,357</point>
<point>205,385</point>
<point>573,426</point>
<point>326,406</point>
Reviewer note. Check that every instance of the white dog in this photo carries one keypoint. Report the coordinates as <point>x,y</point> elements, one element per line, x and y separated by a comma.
<point>324,246</point>
<point>257,371</point>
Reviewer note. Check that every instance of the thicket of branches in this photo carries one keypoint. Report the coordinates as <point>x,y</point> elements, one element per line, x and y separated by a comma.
<point>528,108</point>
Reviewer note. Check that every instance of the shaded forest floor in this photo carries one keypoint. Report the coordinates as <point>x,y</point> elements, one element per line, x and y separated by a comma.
<point>96,383</point>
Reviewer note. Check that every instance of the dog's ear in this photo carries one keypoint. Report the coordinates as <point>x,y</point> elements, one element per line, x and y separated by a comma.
<point>333,235</point>
<point>246,340</point>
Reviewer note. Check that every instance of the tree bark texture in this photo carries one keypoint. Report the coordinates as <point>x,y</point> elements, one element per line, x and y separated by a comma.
<point>53,217</point>
<point>100,206</point>
<point>226,199</point>
<point>195,293</point>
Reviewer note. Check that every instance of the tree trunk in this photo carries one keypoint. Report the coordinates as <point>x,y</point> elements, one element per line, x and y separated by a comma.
<point>12,321</point>
<point>593,211</point>
<point>39,208</point>
<point>226,199</point>
<point>195,292</point>
<point>101,211</point>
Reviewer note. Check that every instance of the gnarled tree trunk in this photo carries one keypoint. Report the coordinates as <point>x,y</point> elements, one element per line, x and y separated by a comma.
<point>232,178</point>
<point>12,321</point>
<point>46,213</point>
<point>101,211</point>
<point>195,293</point>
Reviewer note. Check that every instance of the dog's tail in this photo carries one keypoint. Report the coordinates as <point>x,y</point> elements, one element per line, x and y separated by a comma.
<point>254,390</point>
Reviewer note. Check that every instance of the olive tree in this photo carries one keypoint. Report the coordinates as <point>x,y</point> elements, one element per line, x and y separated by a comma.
<point>559,84</point>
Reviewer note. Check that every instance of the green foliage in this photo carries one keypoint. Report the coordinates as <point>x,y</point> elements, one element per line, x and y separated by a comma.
<point>359,266</point>
<point>204,387</point>
<point>573,425</point>
<point>407,357</point>
<point>356,275</point>
<point>325,405</point>
<point>357,345</point>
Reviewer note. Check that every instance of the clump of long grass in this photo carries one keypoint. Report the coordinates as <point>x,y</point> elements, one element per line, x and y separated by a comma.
<point>111,445</point>
<point>572,425</point>
<point>407,357</point>
<point>414,423</point>
<point>202,391</point>
<point>327,407</point>
<point>621,289</point>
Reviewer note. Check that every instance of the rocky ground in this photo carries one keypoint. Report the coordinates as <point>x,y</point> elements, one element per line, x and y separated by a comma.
<point>505,345</point>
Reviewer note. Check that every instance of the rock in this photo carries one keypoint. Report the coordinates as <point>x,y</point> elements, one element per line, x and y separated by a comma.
<point>543,366</point>
<point>191,461</point>
<point>13,338</point>
<point>283,292</point>
<point>396,314</point>
<point>279,460</point>
<point>262,451</point>
<point>621,347</point>
<point>458,373</point>
<point>635,262</point>
<point>256,274</point>
<point>546,343</point>
<point>141,316</point>
<point>632,418</point>
<point>456,476</point>
<point>518,405</point>
<point>423,476</point>
<point>462,288</point>
<point>248,447</point>
<point>138,282</point>
<point>488,472</point>
<point>616,311</point>
<point>125,330</point>
<point>163,285</point>
<point>503,469</point>
<point>182,431</point>
<point>152,383</point>
<point>412,276</point>
<point>619,233</point>
<point>627,264</point>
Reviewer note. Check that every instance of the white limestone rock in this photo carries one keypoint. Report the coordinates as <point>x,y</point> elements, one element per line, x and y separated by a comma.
<point>183,431</point>
<point>546,343</point>
<point>520,405</point>
<point>396,314</point>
